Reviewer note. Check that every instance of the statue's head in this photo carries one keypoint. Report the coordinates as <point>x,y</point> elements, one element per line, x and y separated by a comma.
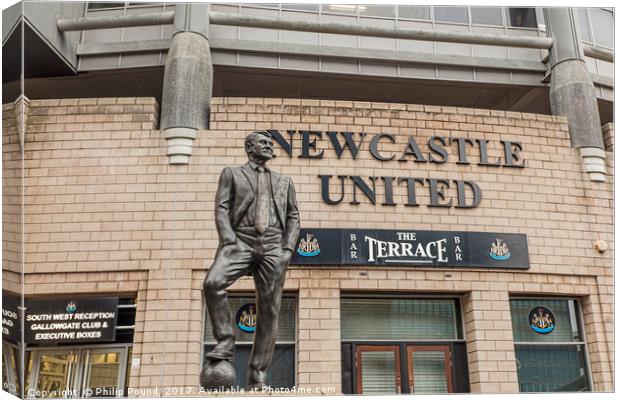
<point>259,146</point>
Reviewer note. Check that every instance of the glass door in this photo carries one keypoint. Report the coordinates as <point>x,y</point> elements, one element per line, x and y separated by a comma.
<point>10,368</point>
<point>103,373</point>
<point>378,369</point>
<point>56,373</point>
<point>78,372</point>
<point>429,369</point>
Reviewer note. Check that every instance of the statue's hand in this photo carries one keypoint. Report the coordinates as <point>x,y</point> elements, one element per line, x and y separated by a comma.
<point>287,254</point>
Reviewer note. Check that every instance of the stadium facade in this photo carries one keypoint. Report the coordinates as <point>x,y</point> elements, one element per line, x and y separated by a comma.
<point>453,168</point>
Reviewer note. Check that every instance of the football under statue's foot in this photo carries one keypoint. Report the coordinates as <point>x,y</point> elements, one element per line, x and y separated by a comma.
<point>218,375</point>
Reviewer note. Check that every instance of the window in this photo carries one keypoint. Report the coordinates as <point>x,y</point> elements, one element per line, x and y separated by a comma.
<point>402,345</point>
<point>549,345</point>
<point>584,25</point>
<point>414,12</point>
<point>102,367</point>
<point>486,15</point>
<point>602,27</point>
<point>99,6</point>
<point>522,17</point>
<point>451,14</point>
<point>398,319</point>
<point>125,320</point>
<point>301,7</point>
<point>377,11</point>
<point>340,9</point>
<point>282,370</point>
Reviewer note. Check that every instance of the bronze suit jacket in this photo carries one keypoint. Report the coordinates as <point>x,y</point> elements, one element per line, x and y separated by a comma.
<point>236,190</point>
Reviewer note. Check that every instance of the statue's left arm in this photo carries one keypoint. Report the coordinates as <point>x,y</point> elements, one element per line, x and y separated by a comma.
<point>291,230</point>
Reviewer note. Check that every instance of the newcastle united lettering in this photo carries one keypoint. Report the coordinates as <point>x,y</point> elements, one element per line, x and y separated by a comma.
<point>434,151</point>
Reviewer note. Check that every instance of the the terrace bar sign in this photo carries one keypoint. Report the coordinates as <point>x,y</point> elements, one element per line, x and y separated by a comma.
<point>71,320</point>
<point>385,190</point>
<point>411,248</point>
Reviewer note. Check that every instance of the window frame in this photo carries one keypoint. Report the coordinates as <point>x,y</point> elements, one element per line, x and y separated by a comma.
<point>593,41</point>
<point>359,349</point>
<point>448,357</point>
<point>583,342</point>
<point>467,10</point>
<point>530,28</point>
<point>459,322</point>
<point>503,23</point>
<point>125,5</point>
<point>405,344</point>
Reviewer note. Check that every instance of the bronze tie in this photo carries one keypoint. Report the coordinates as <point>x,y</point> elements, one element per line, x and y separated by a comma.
<point>262,201</point>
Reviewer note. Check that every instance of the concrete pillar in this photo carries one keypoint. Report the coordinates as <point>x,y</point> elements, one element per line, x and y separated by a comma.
<point>188,82</point>
<point>572,91</point>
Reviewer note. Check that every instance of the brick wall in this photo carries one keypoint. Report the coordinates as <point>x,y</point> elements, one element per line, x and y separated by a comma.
<point>11,200</point>
<point>102,200</point>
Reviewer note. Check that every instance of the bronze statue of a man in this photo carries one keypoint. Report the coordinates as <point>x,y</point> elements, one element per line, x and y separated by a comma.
<point>258,225</point>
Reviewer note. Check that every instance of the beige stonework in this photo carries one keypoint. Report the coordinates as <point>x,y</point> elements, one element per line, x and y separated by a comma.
<point>103,207</point>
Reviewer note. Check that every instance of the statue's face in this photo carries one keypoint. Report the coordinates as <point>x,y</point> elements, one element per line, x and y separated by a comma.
<point>260,148</point>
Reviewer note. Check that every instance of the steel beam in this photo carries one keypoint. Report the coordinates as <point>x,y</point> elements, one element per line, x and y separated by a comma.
<point>137,46</point>
<point>116,21</point>
<point>218,18</point>
<point>253,46</point>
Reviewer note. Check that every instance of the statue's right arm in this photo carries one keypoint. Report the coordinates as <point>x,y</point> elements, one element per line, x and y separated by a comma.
<point>223,205</point>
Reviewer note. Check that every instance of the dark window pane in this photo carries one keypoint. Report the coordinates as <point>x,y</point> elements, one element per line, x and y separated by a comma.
<point>486,15</point>
<point>377,11</point>
<point>583,24</point>
<point>281,373</point>
<point>522,17</point>
<point>553,368</point>
<point>451,14</point>
<point>301,7</point>
<point>603,27</point>
<point>126,300</point>
<point>97,6</point>
<point>413,12</point>
<point>126,317</point>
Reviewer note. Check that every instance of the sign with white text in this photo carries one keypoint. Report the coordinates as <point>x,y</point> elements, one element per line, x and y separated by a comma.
<point>10,318</point>
<point>411,248</point>
<point>73,320</point>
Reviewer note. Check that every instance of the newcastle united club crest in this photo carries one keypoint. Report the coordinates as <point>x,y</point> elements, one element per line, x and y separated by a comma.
<point>542,320</point>
<point>246,318</point>
<point>71,307</point>
<point>308,247</point>
<point>499,250</point>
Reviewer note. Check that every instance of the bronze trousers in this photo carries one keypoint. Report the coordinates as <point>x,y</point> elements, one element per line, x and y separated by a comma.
<point>262,256</point>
